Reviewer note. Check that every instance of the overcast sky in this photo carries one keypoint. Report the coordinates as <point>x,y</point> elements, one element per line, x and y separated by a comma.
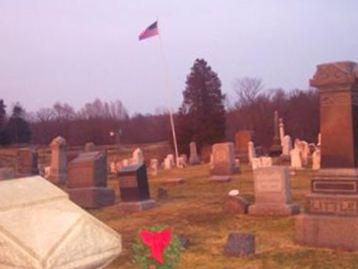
<point>76,50</point>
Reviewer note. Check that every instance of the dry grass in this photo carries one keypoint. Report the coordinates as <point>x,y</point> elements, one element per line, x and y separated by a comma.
<point>195,209</point>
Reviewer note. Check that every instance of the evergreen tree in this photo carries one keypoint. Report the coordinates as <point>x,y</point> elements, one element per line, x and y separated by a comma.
<point>201,116</point>
<point>4,137</point>
<point>17,127</point>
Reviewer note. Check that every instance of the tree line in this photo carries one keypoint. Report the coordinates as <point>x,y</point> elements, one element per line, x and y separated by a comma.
<point>206,116</point>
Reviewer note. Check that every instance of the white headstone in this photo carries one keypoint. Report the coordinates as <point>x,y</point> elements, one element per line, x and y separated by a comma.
<point>251,151</point>
<point>40,228</point>
<point>316,159</point>
<point>137,157</point>
<point>154,166</point>
<point>296,161</point>
<point>193,158</point>
<point>286,145</point>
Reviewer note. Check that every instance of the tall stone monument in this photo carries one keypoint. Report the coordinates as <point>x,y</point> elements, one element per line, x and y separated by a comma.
<point>276,148</point>
<point>193,158</point>
<point>87,181</point>
<point>58,170</point>
<point>273,193</point>
<point>331,218</point>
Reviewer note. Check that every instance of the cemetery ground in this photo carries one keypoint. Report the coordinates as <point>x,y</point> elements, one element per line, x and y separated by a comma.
<point>195,209</point>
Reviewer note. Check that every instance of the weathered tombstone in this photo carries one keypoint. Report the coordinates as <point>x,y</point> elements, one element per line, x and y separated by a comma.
<point>90,146</point>
<point>58,174</point>
<point>286,146</point>
<point>26,163</point>
<point>331,218</point>
<point>125,162</point>
<point>296,160</point>
<point>154,166</point>
<point>273,192</point>
<point>282,130</point>
<point>182,161</point>
<point>242,138</point>
<point>87,181</point>
<point>305,151</point>
<point>236,204</point>
<point>239,244</point>
<point>316,159</point>
<point>41,228</point>
<point>134,189</point>
<point>193,158</point>
<point>169,162</point>
<point>223,161</point>
<point>261,162</point>
<point>137,157</point>
<point>251,151</point>
<point>276,148</point>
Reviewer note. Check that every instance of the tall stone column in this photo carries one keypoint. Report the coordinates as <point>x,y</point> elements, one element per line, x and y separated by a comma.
<point>58,171</point>
<point>331,218</point>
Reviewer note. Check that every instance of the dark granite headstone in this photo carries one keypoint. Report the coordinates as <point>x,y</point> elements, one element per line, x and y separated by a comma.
<point>331,218</point>
<point>87,181</point>
<point>134,188</point>
<point>242,138</point>
<point>239,244</point>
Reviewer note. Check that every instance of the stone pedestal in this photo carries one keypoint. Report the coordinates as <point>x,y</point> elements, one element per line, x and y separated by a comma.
<point>92,197</point>
<point>131,207</point>
<point>331,217</point>
<point>273,193</point>
<point>87,181</point>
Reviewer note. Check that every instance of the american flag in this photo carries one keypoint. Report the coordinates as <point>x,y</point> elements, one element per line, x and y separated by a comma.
<point>152,30</point>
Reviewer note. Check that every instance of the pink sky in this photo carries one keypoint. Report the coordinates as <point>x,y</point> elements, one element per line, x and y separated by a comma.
<point>76,50</point>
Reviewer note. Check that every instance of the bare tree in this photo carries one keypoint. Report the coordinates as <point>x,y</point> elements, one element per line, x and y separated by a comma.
<point>247,90</point>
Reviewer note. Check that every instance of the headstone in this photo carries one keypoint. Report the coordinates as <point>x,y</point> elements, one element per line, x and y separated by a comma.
<point>223,159</point>
<point>193,158</point>
<point>282,130</point>
<point>41,228</point>
<point>236,204</point>
<point>251,151</point>
<point>137,157</point>
<point>154,166</point>
<point>175,180</point>
<point>319,139</point>
<point>162,193</point>
<point>134,189</point>
<point>296,160</point>
<point>58,174</point>
<point>331,218</point>
<point>87,181</point>
<point>273,193</point>
<point>261,162</point>
<point>182,161</point>
<point>305,151</point>
<point>26,163</point>
<point>242,138</point>
<point>286,145</point>
<point>276,148</point>
<point>316,159</point>
<point>169,162</point>
<point>125,162</point>
<point>239,244</point>
<point>90,146</point>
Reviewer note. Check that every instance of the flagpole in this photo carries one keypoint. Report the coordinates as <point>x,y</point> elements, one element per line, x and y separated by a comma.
<point>170,109</point>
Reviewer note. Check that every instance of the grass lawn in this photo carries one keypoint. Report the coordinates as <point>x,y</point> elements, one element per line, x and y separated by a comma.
<point>195,209</point>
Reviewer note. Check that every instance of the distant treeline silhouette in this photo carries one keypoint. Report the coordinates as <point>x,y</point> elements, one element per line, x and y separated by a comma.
<point>102,122</point>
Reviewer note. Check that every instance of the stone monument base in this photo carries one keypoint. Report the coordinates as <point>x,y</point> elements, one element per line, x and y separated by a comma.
<point>176,180</point>
<point>327,231</point>
<point>222,179</point>
<point>93,197</point>
<point>130,207</point>
<point>273,209</point>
